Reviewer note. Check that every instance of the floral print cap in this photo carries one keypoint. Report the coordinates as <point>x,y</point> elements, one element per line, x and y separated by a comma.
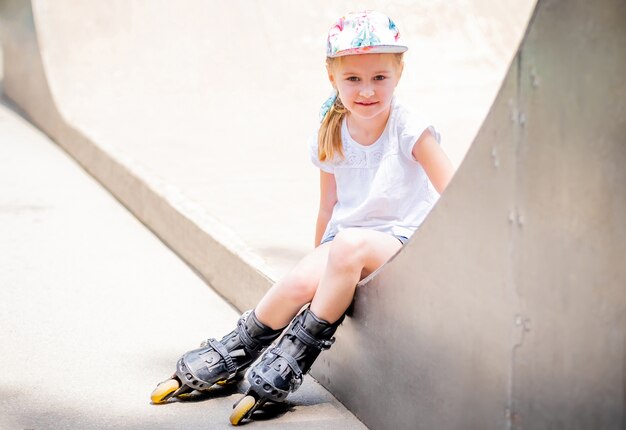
<point>366,32</point>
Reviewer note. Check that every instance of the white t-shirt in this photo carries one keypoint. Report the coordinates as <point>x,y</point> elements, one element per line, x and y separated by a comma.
<point>381,186</point>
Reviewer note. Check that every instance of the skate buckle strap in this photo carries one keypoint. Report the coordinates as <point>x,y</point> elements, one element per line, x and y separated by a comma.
<point>300,332</point>
<point>221,350</point>
<point>290,361</point>
<point>245,337</point>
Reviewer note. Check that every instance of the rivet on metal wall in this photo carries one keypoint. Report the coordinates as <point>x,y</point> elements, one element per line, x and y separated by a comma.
<point>494,155</point>
<point>534,78</point>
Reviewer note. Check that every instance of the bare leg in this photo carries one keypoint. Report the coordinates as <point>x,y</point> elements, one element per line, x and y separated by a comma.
<point>328,276</point>
<point>286,297</point>
<point>354,254</point>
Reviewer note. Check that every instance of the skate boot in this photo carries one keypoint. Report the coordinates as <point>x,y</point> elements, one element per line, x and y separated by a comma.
<point>281,369</point>
<point>218,362</point>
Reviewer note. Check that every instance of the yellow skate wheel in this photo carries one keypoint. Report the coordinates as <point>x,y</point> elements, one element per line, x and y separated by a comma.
<point>163,390</point>
<point>241,409</point>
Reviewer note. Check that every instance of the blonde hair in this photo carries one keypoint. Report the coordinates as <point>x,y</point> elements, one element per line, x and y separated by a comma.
<point>329,143</point>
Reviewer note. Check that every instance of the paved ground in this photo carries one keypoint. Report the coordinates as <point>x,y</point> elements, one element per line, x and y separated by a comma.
<point>84,289</point>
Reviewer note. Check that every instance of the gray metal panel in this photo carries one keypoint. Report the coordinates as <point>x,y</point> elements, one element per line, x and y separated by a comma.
<point>571,247</point>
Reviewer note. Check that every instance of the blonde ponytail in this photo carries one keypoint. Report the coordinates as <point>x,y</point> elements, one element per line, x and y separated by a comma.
<point>329,137</point>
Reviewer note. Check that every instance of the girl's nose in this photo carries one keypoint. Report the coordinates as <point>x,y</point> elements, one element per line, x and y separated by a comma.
<point>366,92</point>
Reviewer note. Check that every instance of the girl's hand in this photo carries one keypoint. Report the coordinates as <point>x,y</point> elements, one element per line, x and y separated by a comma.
<point>435,162</point>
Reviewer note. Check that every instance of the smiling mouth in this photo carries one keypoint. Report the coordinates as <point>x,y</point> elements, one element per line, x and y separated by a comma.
<point>366,103</point>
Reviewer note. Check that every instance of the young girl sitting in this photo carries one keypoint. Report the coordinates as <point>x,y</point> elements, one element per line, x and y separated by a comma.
<point>381,172</point>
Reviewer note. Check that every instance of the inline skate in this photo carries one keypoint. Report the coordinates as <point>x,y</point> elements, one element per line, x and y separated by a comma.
<point>218,362</point>
<point>281,369</point>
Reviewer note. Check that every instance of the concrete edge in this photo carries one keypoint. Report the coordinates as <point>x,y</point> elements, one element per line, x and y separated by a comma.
<point>221,258</point>
<point>214,251</point>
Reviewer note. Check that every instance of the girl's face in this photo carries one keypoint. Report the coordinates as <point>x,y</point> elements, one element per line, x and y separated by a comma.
<point>366,82</point>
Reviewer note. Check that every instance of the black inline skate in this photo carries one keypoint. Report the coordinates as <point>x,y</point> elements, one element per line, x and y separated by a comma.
<point>218,362</point>
<point>282,368</point>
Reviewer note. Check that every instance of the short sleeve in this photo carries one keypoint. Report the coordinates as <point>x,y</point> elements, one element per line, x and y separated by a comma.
<point>410,127</point>
<point>315,157</point>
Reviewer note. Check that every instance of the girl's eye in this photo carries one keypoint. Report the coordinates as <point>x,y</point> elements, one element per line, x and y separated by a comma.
<point>379,78</point>
<point>353,79</point>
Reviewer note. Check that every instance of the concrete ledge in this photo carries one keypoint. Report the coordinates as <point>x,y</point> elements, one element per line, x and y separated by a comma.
<point>213,250</point>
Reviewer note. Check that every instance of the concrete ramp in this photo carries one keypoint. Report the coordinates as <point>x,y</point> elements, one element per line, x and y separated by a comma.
<point>507,308</point>
<point>217,100</point>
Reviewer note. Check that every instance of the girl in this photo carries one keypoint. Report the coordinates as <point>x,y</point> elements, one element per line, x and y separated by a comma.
<point>378,167</point>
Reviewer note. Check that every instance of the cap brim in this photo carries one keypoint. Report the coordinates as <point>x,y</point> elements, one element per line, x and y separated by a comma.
<point>379,49</point>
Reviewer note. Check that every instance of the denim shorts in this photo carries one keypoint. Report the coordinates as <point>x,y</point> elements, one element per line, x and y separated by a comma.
<point>403,239</point>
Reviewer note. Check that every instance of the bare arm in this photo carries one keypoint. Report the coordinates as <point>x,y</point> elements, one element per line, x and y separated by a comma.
<point>328,199</point>
<point>434,161</point>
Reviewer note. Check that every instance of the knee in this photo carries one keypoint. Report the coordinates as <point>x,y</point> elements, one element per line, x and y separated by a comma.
<point>347,249</point>
<point>297,288</point>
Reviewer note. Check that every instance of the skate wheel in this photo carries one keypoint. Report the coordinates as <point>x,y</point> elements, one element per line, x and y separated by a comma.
<point>164,389</point>
<point>242,408</point>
